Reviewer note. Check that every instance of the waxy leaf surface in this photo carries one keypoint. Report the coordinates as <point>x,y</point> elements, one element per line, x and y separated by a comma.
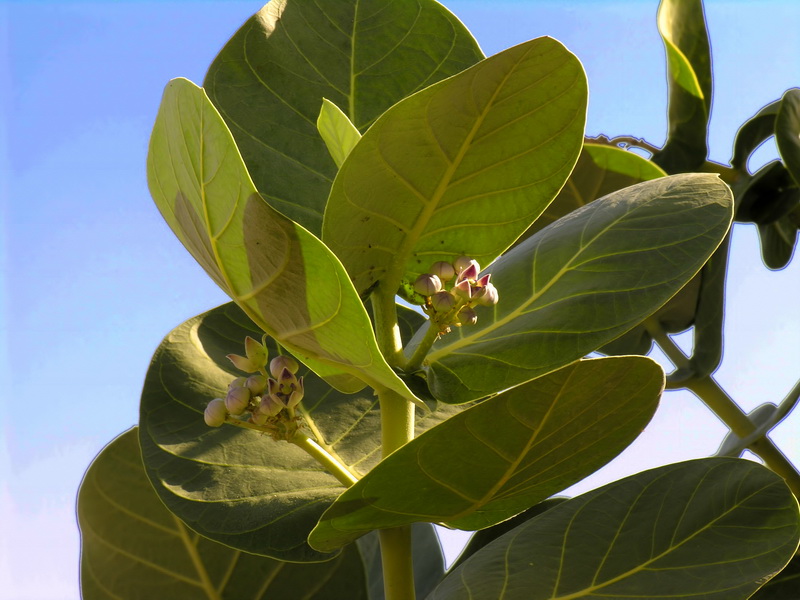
<point>682,26</point>
<point>363,55</point>
<point>133,548</point>
<point>238,486</point>
<point>753,133</point>
<point>787,132</point>
<point>502,456</point>
<point>283,277</point>
<point>711,529</point>
<point>582,282</point>
<point>599,171</point>
<point>462,167</point>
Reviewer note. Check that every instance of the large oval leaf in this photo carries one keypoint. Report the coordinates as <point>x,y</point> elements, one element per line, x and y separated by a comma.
<point>682,26</point>
<point>714,529</point>
<point>502,456</point>
<point>599,171</point>
<point>238,486</point>
<point>462,167</point>
<point>286,280</point>
<point>364,55</point>
<point>132,547</point>
<point>581,282</point>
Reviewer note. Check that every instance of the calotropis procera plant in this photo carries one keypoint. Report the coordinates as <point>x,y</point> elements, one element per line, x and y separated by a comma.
<point>343,174</point>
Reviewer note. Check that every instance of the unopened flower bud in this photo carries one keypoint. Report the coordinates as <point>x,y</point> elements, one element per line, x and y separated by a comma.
<point>443,270</point>
<point>427,284</point>
<point>237,400</point>
<point>463,290</point>
<point>487,295</point>
<point>443,301</point>
<point>215,413</point>
<point>464,262</point>
<point>467,316</point>
<point>259,418</point>
<point>237,383</point>
<point>256,384</point>
<point>279,363</point>
<point>270,405</point>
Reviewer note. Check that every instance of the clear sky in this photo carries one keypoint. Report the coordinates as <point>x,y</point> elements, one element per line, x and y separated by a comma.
<point>93,279</point>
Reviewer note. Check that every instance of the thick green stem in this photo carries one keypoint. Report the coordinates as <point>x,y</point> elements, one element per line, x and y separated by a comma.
<point>397,429</point>
<point>387,331</point>
<point>415,362</point>
<point>333,466</point>
<point>398,575</point>
<point>722,405</point>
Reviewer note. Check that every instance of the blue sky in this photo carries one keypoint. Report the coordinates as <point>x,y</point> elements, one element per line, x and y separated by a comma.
<point>93,278</point>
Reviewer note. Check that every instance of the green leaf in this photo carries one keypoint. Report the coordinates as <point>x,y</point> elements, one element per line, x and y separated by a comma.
<point>787,132</point>
<point>283,277</point>
<point>682,26</point>
<point>599,171</point>
<point>582,282</point>
<point>767,196</point>
<point>238,486</point>
<point>485,536</point>
<point>778,240</point>
<point>714,529</point>
<point>754,132</point>
<point>363,55</point>
<point>784,586</point>
<point>132,547</point>
<point>462,167</point>
<point>502,456</point>
<point>338,133</point>
<point>428,562</point>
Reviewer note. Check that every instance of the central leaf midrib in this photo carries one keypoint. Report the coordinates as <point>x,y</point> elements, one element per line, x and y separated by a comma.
<point>514,465</point>
<point>671,548</point>
<point>395,274</point>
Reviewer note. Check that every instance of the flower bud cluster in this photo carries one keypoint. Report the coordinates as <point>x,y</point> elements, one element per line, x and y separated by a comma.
<point>264,401</point>
<point>452,304</point>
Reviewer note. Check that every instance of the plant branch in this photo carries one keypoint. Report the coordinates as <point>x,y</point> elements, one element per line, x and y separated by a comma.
<point>397,429</point>
<point>431,334</point>
<point>387,331</point>
<point>333,466</point>
<point>722,405</point>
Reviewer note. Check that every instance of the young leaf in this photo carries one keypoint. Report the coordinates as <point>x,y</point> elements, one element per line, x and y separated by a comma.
<point>753,133</point>
<point>715,529</point>
<point>283,277</point>
<point>238,486</point>
<point>778,240</point>
<point>462,167</point>
<point>502,456</point>
<point>682,26</point>
<point>364,55</point>
<point>582,282</point>
<point>133,547</point>
<point>338,133</point>
<point>787,132</point>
